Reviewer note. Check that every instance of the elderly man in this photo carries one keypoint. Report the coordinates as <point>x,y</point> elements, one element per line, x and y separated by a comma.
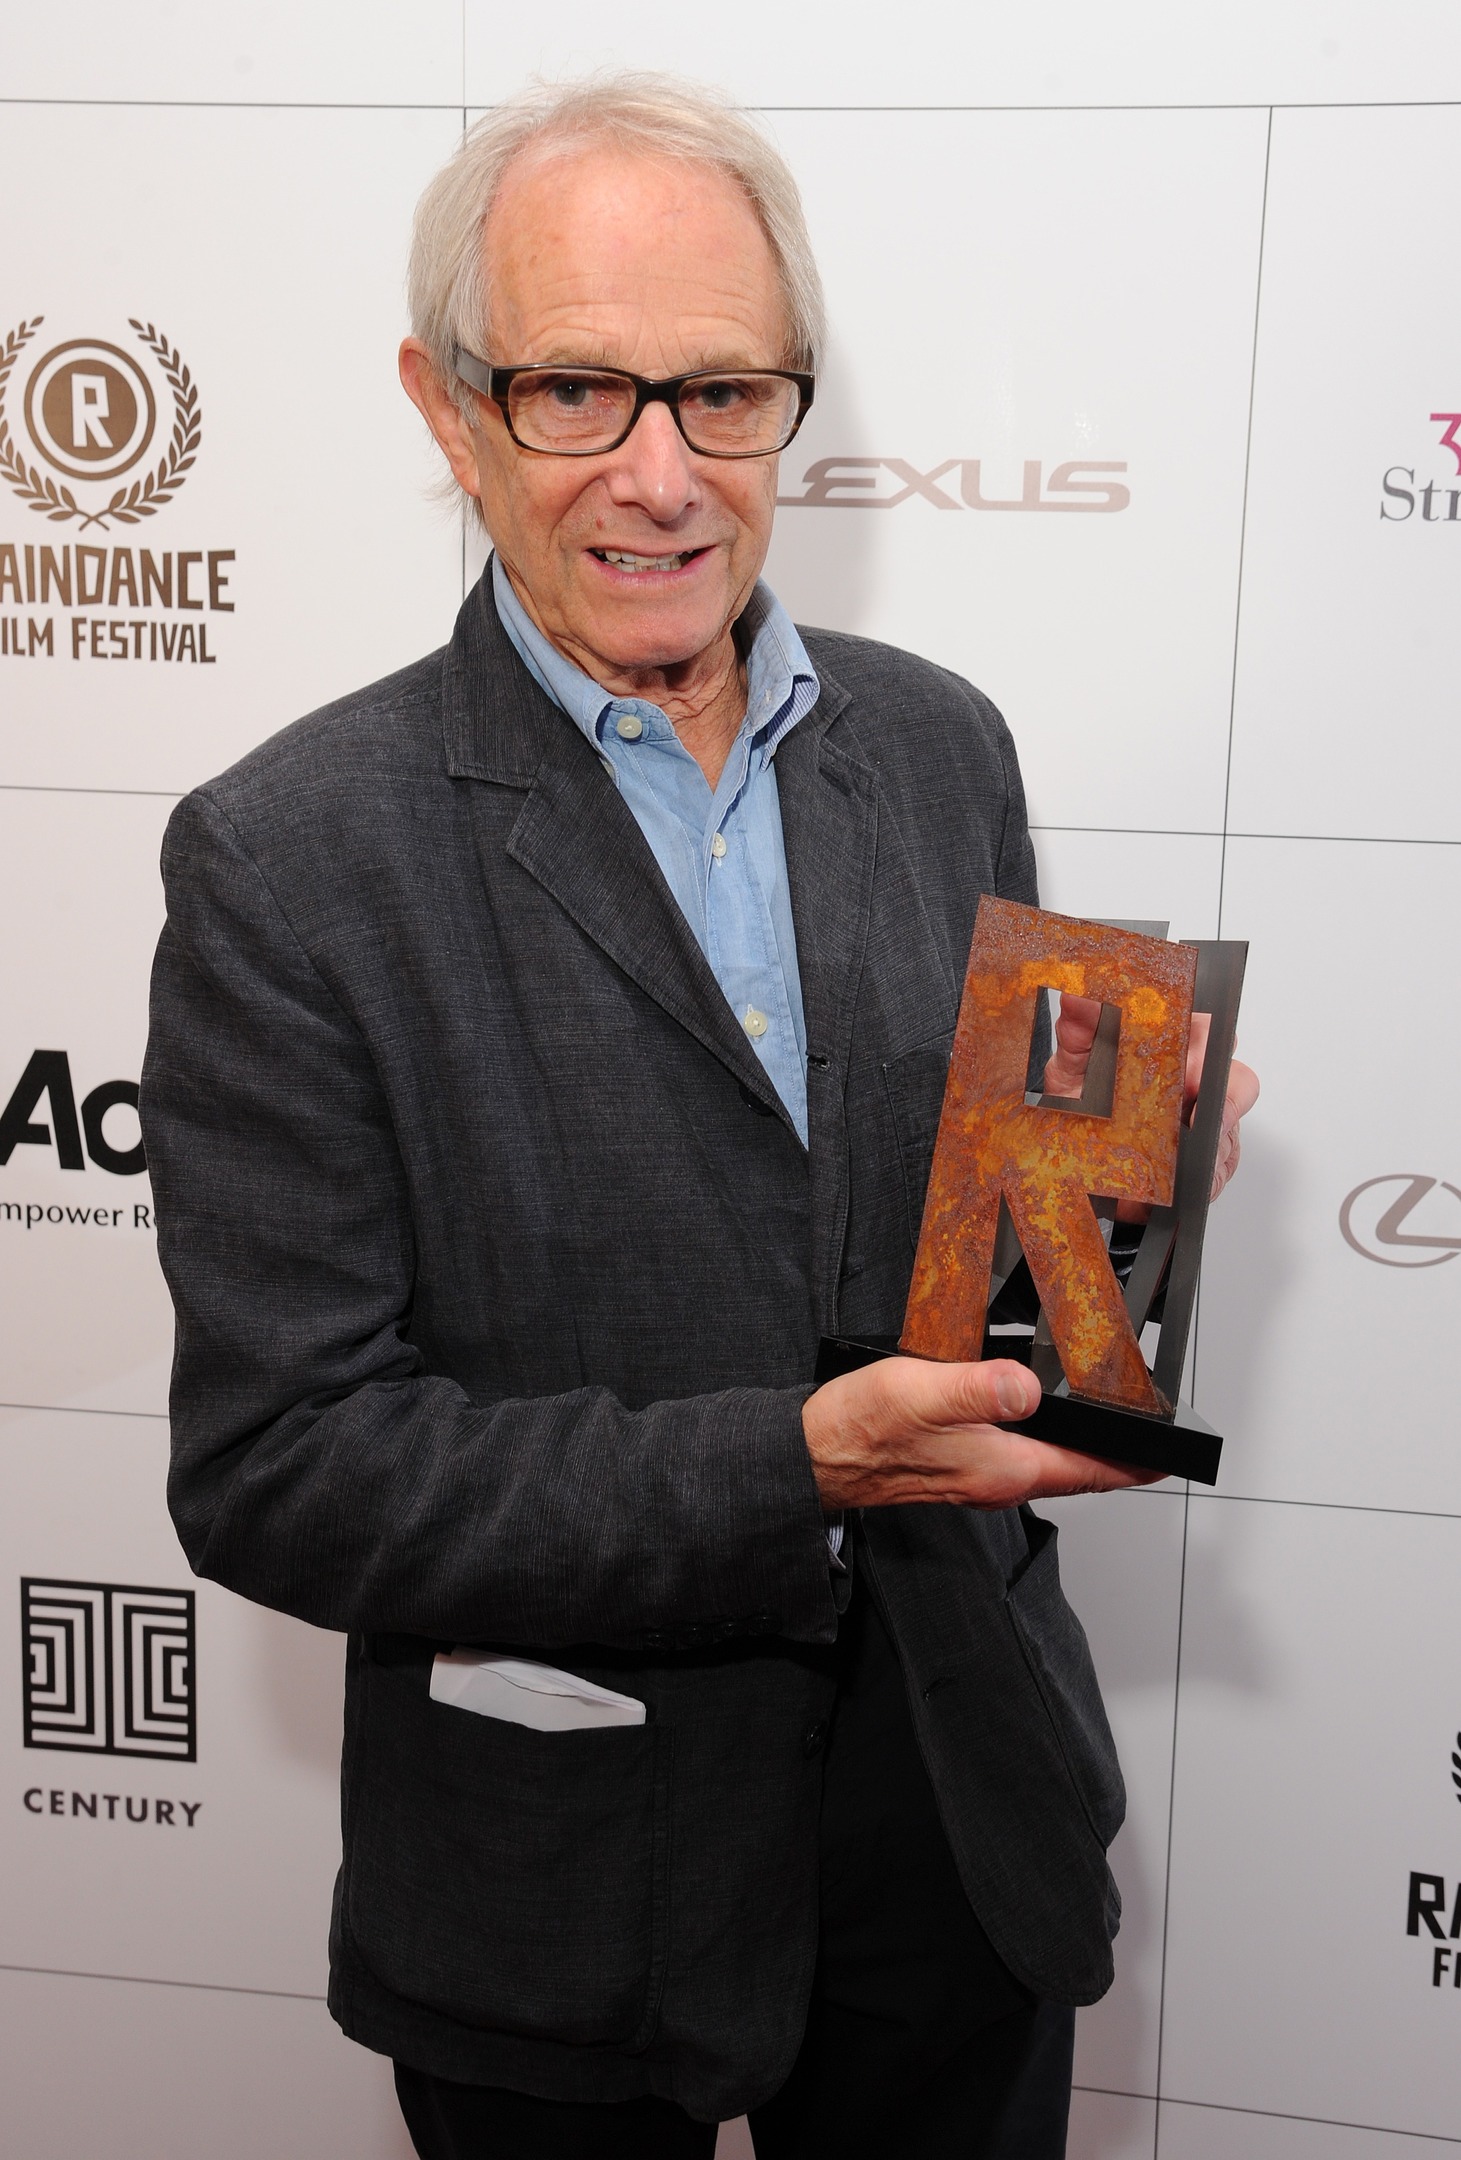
<point>547,1045</point>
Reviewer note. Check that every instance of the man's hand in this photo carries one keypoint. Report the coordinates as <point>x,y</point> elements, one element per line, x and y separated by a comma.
<point>1075,1031</point>
<point>905,1429</point>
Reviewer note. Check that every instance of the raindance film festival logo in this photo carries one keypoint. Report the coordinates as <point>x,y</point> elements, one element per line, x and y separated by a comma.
<point>1438,502</point>
<point>108,1668</point>
<point>1430,1902</point>
<point>1395,1221</point>
<point>97,436</point>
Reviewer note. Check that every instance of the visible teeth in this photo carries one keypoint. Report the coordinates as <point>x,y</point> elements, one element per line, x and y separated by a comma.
<point>643,562</point>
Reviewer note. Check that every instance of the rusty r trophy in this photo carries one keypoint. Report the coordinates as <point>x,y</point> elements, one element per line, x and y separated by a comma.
<point>1041,1176</point>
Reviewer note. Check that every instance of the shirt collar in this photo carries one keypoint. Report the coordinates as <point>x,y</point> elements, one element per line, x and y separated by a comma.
<point>781,683</point>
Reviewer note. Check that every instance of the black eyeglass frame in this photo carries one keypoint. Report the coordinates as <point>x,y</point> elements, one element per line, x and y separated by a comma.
<point>496,383</point>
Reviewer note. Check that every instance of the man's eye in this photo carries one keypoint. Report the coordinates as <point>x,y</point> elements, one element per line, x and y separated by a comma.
<point>719,397</point>
<point>571,394</point>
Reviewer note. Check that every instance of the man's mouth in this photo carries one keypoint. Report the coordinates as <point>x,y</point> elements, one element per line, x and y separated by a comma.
<point>621,559</point>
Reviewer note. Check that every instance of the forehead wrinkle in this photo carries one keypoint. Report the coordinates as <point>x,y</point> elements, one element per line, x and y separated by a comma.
<point>620,204</point>
<point>584,298</point>
<point>631,259</point>
<point>640,336</point>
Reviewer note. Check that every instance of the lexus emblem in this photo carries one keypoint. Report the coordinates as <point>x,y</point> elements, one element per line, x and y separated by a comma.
<point>1374,1216</point>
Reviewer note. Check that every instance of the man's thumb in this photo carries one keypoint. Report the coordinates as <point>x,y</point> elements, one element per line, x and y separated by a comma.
<point>997,1390</point>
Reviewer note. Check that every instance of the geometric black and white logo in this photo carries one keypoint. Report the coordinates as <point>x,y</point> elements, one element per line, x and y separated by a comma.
<point>108,1668</point>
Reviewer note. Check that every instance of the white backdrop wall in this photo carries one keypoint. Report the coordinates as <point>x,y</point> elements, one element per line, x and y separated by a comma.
<point>1146,335</point>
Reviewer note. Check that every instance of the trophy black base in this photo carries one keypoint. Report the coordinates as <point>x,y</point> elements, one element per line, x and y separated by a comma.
<point>1184,1445</point>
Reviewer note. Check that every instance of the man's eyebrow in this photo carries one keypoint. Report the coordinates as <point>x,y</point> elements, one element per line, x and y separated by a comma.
<point>722,363</point>
<point>580,354</point>
<point>585,354</point>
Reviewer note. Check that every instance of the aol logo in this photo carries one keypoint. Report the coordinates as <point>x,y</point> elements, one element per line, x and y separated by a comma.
<point>48,1076</point>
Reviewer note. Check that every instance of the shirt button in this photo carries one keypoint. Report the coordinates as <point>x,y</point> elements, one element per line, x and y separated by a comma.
<point>630,726</point>
<point>814,1738</point>
<point>717,846</point>
<point>755,1023</point>
<point>608,765</point>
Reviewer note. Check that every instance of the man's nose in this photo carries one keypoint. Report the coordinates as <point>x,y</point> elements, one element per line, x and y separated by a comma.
<point>653,467</point>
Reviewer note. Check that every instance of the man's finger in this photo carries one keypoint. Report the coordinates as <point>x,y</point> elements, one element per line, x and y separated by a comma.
<point>1076,1022</point>
<point>1196,1054</point>
<point>1241,1096</point>
<point>1061,1470</point>
<point>1230,1152</point>
<point>989,1393</point>
<point>940,1396</point>
<point>978,1467</point>
<point>1243,1089</point>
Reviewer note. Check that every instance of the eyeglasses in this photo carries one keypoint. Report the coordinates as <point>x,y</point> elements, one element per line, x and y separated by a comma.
<point>581,412</point>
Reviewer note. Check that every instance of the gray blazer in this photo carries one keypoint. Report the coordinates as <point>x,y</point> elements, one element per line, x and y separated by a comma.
<point>499,1271</point>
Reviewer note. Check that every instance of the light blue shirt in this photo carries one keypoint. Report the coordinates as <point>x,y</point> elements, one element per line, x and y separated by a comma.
<point>721,850</point>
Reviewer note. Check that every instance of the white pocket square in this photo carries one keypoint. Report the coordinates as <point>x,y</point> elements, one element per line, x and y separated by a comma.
<point>522,1693</point>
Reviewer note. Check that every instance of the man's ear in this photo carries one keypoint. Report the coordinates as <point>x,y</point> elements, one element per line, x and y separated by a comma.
<point>427,392</point>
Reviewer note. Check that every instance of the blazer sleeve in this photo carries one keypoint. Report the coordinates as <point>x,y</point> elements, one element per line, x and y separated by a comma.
<point>316,1467</point>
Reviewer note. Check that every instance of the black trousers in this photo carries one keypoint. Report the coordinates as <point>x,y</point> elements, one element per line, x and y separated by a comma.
<point>919,2044</point>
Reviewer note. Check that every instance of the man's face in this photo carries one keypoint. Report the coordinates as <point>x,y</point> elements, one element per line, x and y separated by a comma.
<point>614,260</point>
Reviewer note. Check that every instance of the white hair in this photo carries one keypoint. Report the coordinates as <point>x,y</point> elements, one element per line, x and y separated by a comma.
<point>658,115</point>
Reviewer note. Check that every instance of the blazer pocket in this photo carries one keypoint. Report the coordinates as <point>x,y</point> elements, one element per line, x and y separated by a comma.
<point>1058,1656</point>
<point>509,1878</point>
<point>915,1081</point>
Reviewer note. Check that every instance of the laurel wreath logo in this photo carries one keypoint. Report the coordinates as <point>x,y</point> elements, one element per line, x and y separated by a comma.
<point>1456,1766</point>
<point>147,495</point>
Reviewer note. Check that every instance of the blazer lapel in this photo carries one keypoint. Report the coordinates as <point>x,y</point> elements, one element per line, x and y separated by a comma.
<point>829,818</point>
<point>577,837</point>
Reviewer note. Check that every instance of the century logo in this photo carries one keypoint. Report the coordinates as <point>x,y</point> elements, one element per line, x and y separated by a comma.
<point>96,434</point>
<point>1386,1220</point>
<point>1438,501</point>
<point>882,483</point>
<point>107,1668</point>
